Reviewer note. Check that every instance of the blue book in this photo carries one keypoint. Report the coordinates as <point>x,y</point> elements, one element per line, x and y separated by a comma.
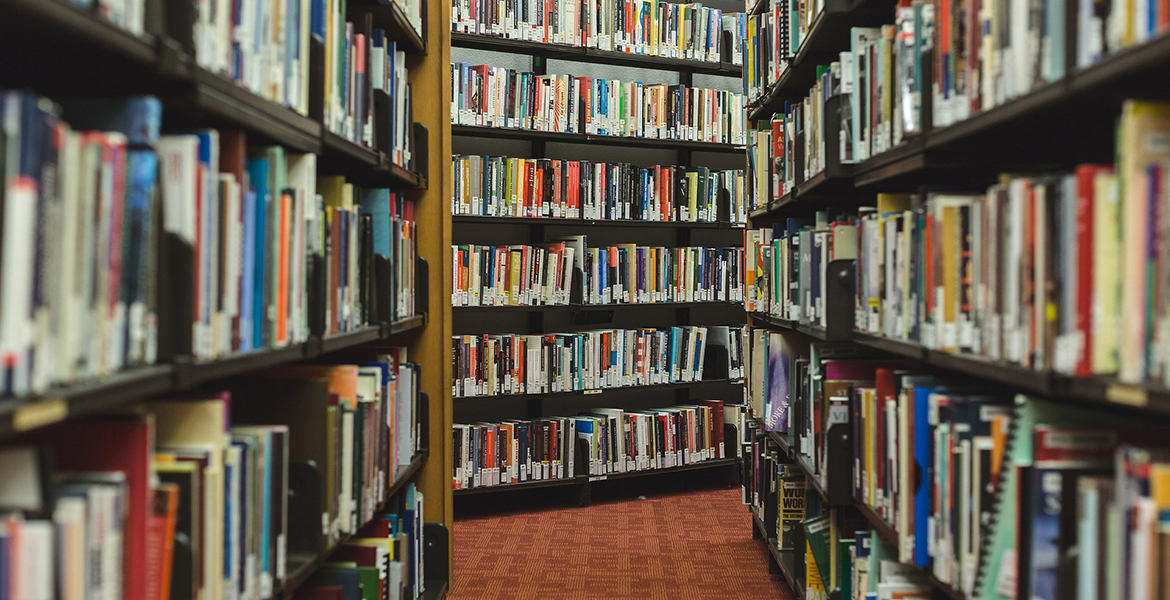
<point>266,493</point>
<point>1045,489</point>
<point>317,19</point>
<point>258,173</point>
<point>137,117</point>
<point>208,150</point>
<point>240,497</point>
<point>603,272</point>
<point>376,203</point>
<point>675,341</point>
<point>776,382</point>
<point>922,443</point>
<point>247,270</point>
<point>138,221</point>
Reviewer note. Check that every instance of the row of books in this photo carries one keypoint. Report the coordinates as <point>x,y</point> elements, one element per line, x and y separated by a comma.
<point>612,441</point>
<point>1038,271</point>
<point>990,492</point>
<point>368,99</point>
<point>516,275</point>
<point>1001,53</point>
<point>1015,490</point>
<point>487,454</point>
<point>498,186</point>
<point>262,45</point>
<point>795,519</point>
<point>647,27</point>
<point>91,269</point>
<point>788,266</point>
<point>633,274</point>
<point>383,559</point>
<point>840,555</point>
<point>489,365</point>
<point>127,14</point>
<point>766,48</point>
<point>181,497</point>
<point>776,490</point>
<point>486,96</point>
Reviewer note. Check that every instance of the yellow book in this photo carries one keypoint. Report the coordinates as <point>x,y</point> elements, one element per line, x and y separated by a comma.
<point>1142,142</point>
<point>1106,272</point>
<point>814,586</point>
<point>513,284</point>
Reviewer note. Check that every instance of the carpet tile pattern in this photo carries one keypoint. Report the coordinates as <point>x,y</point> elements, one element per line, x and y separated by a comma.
<point>682,546</point>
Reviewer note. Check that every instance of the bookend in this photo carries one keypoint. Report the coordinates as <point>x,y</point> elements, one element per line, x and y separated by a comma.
<point>723,206</point>
<point>315,277</point>
<point>839,297</point>
<point>715,363</point>
<point>383,302</point>
<point>771,523</point>
<point>839,459</point>
<point>424,422</point>
<point>422,286</point>
<point>834,169</point>
<point>584,493</point>
<point>420,147</point>
<point>725,46</point>
<point>436,549</point>
<point>307,534</point>
<point>178,22</point>
<point>176,279</point>
<point>383,128</point>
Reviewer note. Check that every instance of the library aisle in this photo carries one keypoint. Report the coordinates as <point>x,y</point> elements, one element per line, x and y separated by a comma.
<point>685,543</point>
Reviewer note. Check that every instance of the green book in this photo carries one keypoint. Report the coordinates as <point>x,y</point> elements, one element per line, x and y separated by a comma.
<point>817,531</point>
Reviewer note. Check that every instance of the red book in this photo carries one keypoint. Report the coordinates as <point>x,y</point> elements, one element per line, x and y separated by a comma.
<point>1086,176</point>
<point>115,444</point>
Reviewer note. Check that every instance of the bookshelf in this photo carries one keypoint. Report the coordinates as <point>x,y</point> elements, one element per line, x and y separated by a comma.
<point>104,60</point>
<point>539,57</point>
<point>1037,389</point>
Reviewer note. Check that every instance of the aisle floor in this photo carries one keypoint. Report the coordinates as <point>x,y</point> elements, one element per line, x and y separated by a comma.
<point>681,545</point>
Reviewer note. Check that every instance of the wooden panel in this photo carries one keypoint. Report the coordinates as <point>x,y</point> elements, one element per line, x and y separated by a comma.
<point>430,86</point>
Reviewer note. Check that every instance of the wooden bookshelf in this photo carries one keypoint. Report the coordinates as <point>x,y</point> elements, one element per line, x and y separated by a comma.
<point>585,138</point>
<point>155,64</point>
<point>430,79</point>
<point>513,230</point>
<point>593,55</point>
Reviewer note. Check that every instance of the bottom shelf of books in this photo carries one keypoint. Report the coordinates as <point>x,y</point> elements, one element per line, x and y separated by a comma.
<point>597,445</point>
<point>271,487</point>
<point>891,477</point>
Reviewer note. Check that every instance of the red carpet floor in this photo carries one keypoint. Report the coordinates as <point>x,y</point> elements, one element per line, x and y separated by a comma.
<point>693,545</point>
